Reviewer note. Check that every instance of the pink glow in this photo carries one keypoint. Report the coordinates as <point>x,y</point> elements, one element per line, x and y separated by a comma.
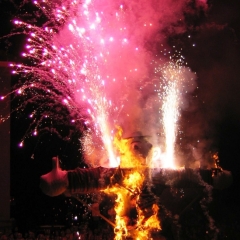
<point>99,63</point>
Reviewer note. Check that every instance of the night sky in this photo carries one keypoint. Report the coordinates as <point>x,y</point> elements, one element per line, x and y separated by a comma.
<point>213,52</point>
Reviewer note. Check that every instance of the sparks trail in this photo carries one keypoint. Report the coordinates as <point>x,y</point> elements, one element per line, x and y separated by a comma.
<point>88,57</point>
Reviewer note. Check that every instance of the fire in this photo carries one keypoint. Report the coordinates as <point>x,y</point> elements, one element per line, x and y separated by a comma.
<point>123,149</point>
<point>126,196</point>
<point>144,225</point>
<point>134,180</point>
<point>128,193</point>
<point>120,229</point>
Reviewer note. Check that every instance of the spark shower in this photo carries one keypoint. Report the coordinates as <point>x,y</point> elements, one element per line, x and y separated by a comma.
<point>107,64</point>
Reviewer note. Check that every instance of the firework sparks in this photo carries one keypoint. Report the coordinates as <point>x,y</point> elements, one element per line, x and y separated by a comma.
<point>89,56</point>
<point>170,110</point>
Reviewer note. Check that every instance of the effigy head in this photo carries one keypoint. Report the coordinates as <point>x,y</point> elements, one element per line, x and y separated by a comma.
<point>133,148</point>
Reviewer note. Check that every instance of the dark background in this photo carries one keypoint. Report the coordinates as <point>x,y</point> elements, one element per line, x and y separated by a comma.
<point>216,60</point>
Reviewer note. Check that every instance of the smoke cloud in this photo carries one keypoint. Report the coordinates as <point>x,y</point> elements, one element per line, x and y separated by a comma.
<point>126,45</point>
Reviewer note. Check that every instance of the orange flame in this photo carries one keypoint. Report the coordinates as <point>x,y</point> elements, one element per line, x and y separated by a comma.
<point>128,194</point>
<point>123,148</point>
<point>144,226</point>
<point>120,229</point>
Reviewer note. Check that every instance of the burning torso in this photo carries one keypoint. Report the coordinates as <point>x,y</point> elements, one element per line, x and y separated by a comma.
<point>136,206</point>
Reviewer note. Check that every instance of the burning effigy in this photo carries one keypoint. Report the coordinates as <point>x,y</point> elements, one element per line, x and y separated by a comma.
<point>108,65</point>
<point>137,189</point>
